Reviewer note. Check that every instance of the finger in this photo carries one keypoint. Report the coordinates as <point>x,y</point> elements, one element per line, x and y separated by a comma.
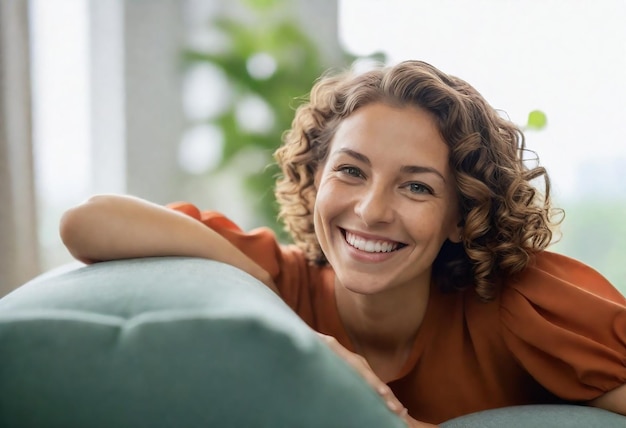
<point>391,400</point>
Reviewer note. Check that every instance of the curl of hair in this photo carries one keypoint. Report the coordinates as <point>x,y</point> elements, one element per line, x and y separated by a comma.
<point>504,217</point>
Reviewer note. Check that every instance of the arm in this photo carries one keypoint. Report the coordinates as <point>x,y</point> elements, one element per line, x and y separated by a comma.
<point>109,227</point>
<point>614,401</point>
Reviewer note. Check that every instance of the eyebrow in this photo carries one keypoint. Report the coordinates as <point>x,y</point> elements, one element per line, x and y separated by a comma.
<point>409,169</point>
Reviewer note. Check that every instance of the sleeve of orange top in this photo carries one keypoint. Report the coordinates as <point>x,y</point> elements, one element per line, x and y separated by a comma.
<point>566,325</point>
<point>286,264</point>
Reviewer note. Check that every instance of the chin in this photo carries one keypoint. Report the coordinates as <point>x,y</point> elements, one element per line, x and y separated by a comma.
<point>366,290</point>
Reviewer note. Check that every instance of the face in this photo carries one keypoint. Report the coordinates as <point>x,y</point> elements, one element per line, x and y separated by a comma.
<point>386,199</point>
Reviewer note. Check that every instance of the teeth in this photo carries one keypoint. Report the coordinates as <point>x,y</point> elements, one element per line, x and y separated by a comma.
<point>370,246</point>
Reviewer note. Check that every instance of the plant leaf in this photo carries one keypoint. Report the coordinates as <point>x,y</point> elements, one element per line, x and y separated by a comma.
<point>537,120</point>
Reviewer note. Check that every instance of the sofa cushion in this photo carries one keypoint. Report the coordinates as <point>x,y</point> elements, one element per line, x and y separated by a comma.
<point>169,342</point>
<point>540,415</point>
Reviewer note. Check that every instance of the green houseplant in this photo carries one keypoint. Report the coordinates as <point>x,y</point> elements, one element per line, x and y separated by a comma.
<point>271,61</point>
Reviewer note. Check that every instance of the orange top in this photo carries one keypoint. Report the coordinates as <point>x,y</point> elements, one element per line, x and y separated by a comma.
<point>557,333</point>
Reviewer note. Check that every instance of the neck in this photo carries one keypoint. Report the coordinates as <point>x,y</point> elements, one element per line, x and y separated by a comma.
<point>383,327</point>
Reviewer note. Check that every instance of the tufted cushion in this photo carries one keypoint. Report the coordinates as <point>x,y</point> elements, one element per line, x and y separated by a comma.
<point>169,342</point>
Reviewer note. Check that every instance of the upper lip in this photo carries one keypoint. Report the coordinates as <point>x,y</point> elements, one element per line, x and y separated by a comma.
<point>371,237</point>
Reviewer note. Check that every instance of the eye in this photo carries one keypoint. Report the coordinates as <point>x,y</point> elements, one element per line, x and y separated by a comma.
<point>352,171</point>
<point>419,189</point>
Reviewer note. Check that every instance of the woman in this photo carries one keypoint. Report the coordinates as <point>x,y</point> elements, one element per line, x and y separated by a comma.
<point>420,250</point>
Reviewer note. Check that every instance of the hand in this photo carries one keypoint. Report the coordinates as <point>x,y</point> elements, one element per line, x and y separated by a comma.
<point>360,364</point>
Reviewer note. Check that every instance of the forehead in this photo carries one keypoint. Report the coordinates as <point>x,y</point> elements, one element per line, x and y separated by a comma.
<point>381,130</point>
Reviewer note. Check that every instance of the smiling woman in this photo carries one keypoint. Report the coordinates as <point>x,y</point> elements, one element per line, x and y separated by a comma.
<point>420,253</point>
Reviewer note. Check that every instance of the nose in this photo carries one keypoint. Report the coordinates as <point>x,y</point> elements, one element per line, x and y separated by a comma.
<point>374,205</point>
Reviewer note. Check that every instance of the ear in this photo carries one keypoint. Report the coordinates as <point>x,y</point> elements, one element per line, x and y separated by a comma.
<point>456,233</point>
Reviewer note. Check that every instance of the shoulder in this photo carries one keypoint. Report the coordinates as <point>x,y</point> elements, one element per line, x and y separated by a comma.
<point>553,276</point>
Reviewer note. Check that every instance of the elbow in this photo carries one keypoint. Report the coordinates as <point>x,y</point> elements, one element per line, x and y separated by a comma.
<point>78,224</point>
<point>69,229</point>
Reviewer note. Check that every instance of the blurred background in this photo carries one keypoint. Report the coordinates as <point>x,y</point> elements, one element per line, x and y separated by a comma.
<point>186,100</point>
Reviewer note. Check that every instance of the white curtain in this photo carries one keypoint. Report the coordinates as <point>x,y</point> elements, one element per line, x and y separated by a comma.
<point>19,259</point>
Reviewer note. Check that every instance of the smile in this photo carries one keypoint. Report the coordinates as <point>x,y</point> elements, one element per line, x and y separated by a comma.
<point>371,246</point>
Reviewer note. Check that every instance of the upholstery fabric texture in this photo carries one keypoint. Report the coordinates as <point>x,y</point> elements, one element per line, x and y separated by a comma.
<point>168,342</point>
<point>536,415</point>
<point>174,341</point>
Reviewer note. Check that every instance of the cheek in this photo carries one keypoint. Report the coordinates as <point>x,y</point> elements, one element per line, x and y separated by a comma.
<point>321,214</point>
<point>319,225</point>
<point>430,222</point>
<point>329,205</point>
<point>320,208</point>
<point>325,196</point>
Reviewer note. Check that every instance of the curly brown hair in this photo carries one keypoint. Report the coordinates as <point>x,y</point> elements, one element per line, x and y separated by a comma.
<point>505,218</point>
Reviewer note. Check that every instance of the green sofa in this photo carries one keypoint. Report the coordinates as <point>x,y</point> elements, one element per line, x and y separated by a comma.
<point>185,342</point>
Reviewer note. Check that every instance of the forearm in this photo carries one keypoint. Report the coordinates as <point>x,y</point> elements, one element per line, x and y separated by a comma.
<point>614,401</point>
<point>111,227</point>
